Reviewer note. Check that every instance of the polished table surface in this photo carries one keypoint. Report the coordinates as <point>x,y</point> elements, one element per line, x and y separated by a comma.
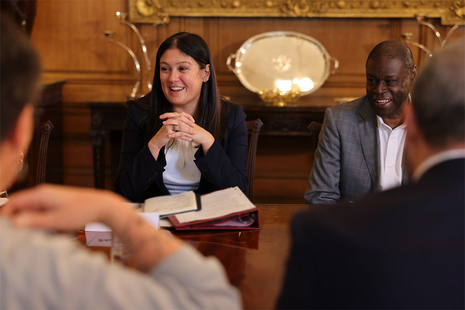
<point>254,260</point>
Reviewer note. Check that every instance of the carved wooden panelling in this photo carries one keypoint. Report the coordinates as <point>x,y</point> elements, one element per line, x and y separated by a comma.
<point>69,36</point>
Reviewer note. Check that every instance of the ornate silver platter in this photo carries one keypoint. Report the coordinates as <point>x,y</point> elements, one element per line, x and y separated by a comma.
<point>282,64</point>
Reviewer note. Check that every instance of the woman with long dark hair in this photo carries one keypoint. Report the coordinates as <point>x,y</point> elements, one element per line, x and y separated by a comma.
<point>182,136</point>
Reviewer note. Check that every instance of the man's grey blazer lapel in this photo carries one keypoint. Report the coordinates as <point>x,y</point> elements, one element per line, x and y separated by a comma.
<point>368,131</point>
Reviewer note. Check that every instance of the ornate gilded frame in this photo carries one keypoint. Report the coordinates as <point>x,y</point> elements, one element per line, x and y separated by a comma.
<point>158,11</point>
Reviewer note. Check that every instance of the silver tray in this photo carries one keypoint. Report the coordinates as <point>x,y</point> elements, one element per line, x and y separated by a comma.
<point>282,60</point>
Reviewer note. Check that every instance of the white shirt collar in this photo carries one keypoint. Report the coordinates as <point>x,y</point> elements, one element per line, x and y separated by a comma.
<point>435,160</point>
<point>382,123</point>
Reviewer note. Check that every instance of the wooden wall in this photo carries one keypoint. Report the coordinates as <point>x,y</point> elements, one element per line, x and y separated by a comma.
<point>69,37</point>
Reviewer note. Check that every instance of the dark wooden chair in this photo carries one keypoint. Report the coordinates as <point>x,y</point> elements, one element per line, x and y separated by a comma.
<point>35,163</point>
<point>253,129</point>
<point>38,154</point>
<point>315,129</point>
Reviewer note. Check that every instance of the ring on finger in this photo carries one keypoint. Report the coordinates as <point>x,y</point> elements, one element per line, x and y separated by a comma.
<point>175,128</point>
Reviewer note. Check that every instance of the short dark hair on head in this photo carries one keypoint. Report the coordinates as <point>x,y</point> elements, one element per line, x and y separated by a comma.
<point>209,109</point>
<point>20,74</point>
<point>438,97</point>
<point>393,50</point>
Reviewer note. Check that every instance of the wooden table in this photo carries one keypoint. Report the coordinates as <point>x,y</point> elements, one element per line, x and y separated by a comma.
<point>254,260</point>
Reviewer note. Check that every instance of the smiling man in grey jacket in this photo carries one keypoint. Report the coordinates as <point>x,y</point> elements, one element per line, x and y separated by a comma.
<point>360,150</point>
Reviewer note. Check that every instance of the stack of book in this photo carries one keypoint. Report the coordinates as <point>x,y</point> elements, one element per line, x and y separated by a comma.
<point>224,209</point>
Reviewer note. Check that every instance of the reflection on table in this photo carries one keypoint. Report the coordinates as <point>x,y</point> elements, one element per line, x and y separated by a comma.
<point>254,260</point>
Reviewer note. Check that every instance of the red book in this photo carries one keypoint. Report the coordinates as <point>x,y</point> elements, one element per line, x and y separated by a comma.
<point>220,210</point>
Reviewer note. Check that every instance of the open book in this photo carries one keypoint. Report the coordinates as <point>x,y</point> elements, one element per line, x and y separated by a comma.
<point>173,204</point>
<point>224,209</point>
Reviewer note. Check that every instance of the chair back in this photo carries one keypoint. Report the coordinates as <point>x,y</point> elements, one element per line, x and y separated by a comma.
<point>43,130</point>
<point>315,129</point>
<point>253,129</point>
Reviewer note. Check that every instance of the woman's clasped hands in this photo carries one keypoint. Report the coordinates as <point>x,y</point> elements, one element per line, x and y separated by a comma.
<point>180,125</point>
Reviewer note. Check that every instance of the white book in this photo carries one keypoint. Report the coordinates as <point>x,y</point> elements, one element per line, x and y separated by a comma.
<point>173,204</point>
<point>218,204</point>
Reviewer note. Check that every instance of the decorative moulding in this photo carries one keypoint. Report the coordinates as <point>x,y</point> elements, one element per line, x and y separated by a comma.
<point>158,11</point>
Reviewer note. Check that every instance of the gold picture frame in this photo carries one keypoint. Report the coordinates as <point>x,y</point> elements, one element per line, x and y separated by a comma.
<point>159,11</point>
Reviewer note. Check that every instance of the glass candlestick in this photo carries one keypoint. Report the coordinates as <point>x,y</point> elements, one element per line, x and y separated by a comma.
<point>421,20</point>
<point>146,58</point>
